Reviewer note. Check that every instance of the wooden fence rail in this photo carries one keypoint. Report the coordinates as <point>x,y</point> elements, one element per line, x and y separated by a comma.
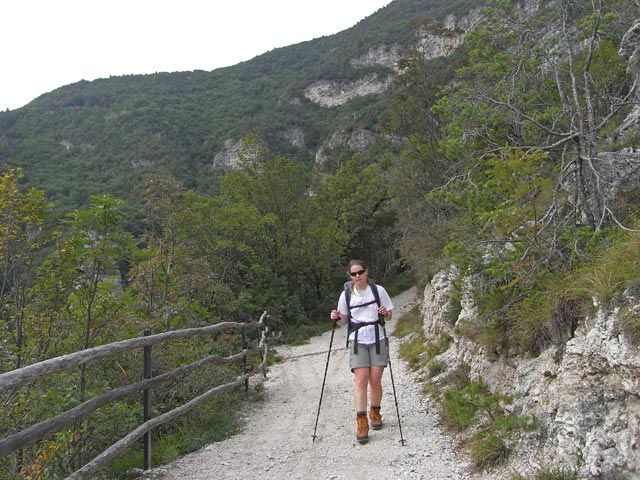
<point>25,375</point>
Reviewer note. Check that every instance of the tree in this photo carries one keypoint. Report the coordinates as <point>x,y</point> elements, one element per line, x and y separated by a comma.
<point>153,274</point>
<point>79,282</point>
<point>524,87</point>
<point>22,236</point>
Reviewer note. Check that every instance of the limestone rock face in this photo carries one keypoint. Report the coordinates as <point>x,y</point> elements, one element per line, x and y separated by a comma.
<point>619,172</point>
<point>356,141</point>
<point>294,136</point>
<point>442,44</point>
<point>332,94</point>
<point>585,393</point>
<point>229,156</point>
<point>387,56</point>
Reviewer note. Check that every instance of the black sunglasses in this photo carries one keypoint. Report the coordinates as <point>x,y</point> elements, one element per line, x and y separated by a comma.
<point>359,272</point>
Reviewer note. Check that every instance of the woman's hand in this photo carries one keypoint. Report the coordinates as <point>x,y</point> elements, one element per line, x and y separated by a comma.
<point>335,315</point>
<point>384,312</point>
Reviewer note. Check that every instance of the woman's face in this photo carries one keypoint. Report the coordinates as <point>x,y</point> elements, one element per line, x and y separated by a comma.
<point>358,274</point>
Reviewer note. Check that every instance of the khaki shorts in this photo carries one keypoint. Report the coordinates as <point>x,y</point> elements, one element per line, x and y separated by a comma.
<point>367,356</point>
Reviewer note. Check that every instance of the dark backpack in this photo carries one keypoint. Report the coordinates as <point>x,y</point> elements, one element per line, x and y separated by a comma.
<point>353,326</point>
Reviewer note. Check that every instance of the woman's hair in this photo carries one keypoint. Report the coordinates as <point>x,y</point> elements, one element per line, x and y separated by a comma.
<point>361,264</point>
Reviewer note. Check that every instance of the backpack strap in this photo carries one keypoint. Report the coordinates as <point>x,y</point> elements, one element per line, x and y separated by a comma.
<point>355,326</point>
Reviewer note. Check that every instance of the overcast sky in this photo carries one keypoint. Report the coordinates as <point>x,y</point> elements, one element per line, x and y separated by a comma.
<point>50,43</point>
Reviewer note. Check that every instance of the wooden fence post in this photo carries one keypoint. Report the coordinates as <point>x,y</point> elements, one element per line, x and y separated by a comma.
<point>245,344</point>
<point>146,404</point>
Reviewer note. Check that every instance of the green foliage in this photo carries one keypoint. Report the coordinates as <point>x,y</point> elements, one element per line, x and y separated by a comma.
<point>630,321</point>
<point>459,407</point>
<point>435,367</point>
<point>212,422</point>
<point>474,405</point>
<point>266,243</point>
<point>409,323</point>
<point>409,328</point>
<point>487,449</point>
<point>478,167</point>
<point>613,269</point>
<point>23,214</point>
<point>436,345</point>
<point>108,135</point>
<point>411,351</point>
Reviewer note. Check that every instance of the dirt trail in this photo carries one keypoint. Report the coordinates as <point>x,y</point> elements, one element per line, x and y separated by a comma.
<point>276,442</point>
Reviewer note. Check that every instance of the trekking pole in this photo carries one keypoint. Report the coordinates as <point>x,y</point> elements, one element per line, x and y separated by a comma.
<point>393,386</point>
<point>333,330</point>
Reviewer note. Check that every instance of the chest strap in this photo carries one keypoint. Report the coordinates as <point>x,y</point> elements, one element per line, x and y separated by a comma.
<point>355,326</point>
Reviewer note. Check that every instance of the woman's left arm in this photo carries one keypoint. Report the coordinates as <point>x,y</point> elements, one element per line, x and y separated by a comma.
<point>386,307</point>
<point>387,314</point>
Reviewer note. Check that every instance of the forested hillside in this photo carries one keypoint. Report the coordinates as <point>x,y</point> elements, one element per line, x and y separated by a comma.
<point>107,135</point>
<point>500,140</point>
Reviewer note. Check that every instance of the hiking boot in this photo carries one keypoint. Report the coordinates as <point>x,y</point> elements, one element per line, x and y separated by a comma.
<point>376,418</point>
<point>362,434</point>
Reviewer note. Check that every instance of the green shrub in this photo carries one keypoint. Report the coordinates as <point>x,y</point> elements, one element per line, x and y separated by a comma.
<point>454,306</point>
<point>487,449</point>
<point>412,351</point>
<point>630,323</point>
<point>437,345</point>
<point>410,322</point>
<point>435,368</point>
<point>459,407</point>
<point>473,405</point>
<point>457,378</point>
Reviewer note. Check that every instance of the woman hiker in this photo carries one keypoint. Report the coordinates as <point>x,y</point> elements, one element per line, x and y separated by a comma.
<point>362,304</point>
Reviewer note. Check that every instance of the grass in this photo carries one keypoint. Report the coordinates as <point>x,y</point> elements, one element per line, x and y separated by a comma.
<point>410,322</point>
<point>460,406</point>
<point>437,345</point>
<point>409,328</point>
<point>487,449</point>
<point>630,323</point>
<point>212,422</point>
<point>470,406</point>
<point>300,333</point>
<point>435,368</point>
<point>530,313</point>
<point>411,352</point>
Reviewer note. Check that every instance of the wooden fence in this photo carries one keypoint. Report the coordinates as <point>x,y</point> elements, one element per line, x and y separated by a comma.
<point>20,377</point>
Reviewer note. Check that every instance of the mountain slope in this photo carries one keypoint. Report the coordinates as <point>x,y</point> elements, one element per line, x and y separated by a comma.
<point>106,135</point>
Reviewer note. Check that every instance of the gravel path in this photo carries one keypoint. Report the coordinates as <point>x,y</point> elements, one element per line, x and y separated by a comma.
<point>277,440</point>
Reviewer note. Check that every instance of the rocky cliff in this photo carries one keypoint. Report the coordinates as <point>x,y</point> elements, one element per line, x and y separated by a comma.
<point>432,41</point>
<point>584,394</point>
